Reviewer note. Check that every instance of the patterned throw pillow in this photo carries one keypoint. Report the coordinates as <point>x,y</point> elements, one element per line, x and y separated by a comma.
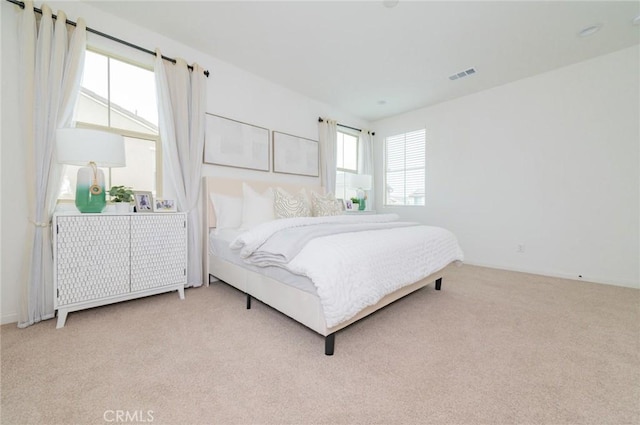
<point>325,205</point>
<point>289,206</point>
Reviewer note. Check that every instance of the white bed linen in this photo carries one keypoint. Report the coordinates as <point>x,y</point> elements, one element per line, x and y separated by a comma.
<point>352,271</point>
<point>284,245</point>
<point>249,241</point>
<point>219,246</point>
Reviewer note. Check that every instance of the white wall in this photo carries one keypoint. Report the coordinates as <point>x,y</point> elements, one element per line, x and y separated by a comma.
<point>231,92</point>
<point>550,162</point>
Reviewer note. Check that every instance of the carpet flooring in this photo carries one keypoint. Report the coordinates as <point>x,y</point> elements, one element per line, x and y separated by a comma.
<point>493,347</point>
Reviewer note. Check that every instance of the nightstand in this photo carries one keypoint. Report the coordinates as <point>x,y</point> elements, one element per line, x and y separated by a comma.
<point>106,258</point>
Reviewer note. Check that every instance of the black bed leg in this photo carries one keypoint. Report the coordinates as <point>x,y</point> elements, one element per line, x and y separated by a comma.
<point>329,342</point>
<point>438,283</point>
<point>248,302</point>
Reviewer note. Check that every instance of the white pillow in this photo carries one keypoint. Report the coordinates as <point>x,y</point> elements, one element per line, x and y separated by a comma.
<point>286,205</point>
<point>256,208</point>
<point>228,211</point>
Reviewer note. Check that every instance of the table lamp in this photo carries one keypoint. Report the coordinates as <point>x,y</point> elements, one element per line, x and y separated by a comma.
<point>362,183</point>
<point>90,149</point>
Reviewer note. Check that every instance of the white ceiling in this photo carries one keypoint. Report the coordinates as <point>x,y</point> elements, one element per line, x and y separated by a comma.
<point>356,54</point>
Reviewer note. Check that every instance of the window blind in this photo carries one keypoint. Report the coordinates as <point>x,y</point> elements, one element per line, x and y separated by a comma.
<point>405,168</point>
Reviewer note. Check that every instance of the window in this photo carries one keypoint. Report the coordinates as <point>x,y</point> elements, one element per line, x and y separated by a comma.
<point>346,163</point>
<point>120,97</point>
<point>405,169</point>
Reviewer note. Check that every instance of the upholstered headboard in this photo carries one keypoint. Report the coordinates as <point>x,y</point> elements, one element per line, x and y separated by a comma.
<point>233,187</point>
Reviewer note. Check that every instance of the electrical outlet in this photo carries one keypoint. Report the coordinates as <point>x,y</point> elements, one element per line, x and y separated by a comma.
<point>520,248</point>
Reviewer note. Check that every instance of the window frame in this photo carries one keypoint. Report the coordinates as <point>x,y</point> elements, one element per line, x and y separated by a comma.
<point>121,131</point>
<point>343,170</point>
<point>405,169</point>
<point>350,170</point>
<point>133,135</point>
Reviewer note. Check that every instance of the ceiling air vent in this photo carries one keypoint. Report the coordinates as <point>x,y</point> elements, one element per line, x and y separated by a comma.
<point>461,74</point>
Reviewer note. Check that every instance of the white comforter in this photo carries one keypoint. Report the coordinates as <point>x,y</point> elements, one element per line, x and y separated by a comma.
<point>352,271</point>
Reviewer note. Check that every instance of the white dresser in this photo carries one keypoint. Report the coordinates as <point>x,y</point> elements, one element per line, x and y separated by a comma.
<point>106,258</point>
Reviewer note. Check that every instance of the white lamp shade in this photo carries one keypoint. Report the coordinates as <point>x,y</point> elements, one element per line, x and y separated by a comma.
<point>359,181</point>
<point>79,146</point>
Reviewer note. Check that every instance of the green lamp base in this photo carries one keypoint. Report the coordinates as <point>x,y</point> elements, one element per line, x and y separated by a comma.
<point>87,202</point>
<point>90,191</point>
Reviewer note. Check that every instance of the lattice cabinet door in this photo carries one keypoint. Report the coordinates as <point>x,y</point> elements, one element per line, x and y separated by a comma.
<point>92,257</point>
<point>158,250</point>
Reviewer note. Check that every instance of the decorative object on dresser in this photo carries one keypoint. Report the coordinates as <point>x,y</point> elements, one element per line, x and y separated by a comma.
<point>122,197</point>
<point>107,258</point>
<point>90,149</point>
<point>144,201</point>
<point>355,203</point>
<point>362,183</point>
<point>164,205</point>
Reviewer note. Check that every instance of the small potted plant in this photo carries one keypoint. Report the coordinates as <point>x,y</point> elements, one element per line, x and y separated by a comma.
<point>122,196</point>
<point>360,202</point>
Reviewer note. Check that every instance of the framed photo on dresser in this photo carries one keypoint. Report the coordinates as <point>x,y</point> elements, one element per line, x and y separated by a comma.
<point>164,205</point>
<point>144,201</point>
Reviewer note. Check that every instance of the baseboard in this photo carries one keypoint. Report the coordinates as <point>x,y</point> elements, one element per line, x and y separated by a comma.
<point>587,279</point>
<point>9,318</point>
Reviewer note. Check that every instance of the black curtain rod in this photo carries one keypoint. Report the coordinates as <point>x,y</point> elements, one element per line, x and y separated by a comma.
<point>110,37</point>
<point>346,126</point>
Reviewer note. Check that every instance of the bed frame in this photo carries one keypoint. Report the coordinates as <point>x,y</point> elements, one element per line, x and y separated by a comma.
<point>293,302</point>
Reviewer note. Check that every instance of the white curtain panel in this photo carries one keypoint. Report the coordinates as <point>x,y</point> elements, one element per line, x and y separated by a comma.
<point>181,113</point>
<point>365,159</point>
<point>328,137</point>
<point>52,72</point>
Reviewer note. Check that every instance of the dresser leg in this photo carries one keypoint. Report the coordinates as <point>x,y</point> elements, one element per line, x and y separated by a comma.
<point>181,291</point>
<point>62,318</point>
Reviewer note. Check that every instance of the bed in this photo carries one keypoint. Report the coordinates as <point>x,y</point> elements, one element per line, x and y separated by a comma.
<point>293,294</point>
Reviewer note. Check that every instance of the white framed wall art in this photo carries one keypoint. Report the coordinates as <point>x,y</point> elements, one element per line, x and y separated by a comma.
<point>235,144</point>
<point>295,155</point>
